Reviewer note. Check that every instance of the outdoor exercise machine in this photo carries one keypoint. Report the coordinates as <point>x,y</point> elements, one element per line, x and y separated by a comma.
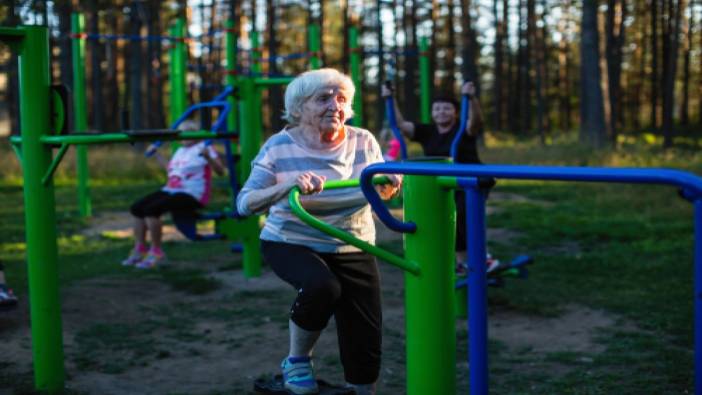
<point>41,110</point>
<point>517,266</point>
<point>245,100</point>
<point>429,258</point>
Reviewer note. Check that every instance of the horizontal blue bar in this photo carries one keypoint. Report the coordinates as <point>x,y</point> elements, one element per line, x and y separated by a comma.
<point>691,183</point>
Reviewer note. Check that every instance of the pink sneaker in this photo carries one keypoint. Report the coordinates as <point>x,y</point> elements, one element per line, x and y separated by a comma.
<point>151,261</point>
<point>134,258</point>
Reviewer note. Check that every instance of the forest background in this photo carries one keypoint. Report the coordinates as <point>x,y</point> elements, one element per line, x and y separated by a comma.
<point>607,70</point>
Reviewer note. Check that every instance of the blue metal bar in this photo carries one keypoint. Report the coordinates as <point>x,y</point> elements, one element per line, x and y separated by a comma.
<point>465,116</point>
<point>477,286</point>
<point>228,90</point>
<point>390,114</point>
<point>691,185</point>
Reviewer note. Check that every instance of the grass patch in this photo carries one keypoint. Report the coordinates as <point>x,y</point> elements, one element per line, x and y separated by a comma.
<point>622,249</point>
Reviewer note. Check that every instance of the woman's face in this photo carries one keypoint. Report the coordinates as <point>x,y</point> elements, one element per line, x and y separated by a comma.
<point>443,113</point>
<point>325,110</point>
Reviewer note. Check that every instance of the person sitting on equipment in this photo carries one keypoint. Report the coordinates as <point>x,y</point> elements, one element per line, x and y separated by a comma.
<point>332,278</point>
<point>187,190</point>
<point>8,300</point>
<point>436,139</point>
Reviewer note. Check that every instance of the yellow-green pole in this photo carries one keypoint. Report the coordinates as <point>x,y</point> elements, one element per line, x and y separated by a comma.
<point>40,211</point>
<point>313,40</point>
<point>429,297</point>
<point>80,111</point>
<point>177,68</point>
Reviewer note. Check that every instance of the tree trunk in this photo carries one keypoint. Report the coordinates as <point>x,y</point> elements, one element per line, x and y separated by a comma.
<point>96,56</point>
<point>614,28</point>
<point>411,64</point>
<point>135,67</point>
<point>469,68</point>
<point>687,32</point>
<point>112,96</point>
<point>450,60</point>
<point>63,10</point>
<point>274,93</point>
<point>670,70</point>
<point>564,108</point>
<point>592,122</point>
<point>498,70</point>
<point>541,55</point>
<point>154,81</point>
<point>655,81</point>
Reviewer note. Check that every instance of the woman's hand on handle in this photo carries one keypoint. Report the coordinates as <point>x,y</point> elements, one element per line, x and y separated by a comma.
<point>388,191</point>
<point>309,182</point>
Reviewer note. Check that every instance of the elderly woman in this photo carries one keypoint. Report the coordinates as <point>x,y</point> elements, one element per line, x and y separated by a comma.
<point>331,278</point>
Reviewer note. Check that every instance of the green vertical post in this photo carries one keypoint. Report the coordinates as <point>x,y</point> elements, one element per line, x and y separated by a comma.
<point>178,96</point>
<point>424,81</point>
<point>429,297</point>
<point>356,76</point>
<point>255,53</point>
<point>313,41</point>
<point>40,212</point>
<point>250,140</point>
<point>80,111</point>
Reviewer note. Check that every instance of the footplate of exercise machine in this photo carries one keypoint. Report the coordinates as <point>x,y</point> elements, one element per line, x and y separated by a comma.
<point>274,386</point>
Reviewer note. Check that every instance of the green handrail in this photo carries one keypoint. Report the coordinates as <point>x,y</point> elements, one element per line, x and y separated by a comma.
<point>264,82</point>
<point>104,138</point>
<point>54,164</point>
<point>294,200</point>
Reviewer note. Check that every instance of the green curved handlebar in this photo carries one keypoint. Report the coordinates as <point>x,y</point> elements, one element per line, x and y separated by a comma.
<point>294,200</point>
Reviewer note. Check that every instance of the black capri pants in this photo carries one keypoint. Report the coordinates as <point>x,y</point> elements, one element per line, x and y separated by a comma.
<point>346,286</point>
<point>159,202</point>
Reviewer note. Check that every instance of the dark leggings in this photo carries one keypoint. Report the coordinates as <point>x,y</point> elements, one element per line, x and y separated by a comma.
<point>159,202</point>
<point>346,286</point>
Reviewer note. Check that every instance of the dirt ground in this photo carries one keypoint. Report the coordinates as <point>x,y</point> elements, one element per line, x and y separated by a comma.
<point>139,336</point>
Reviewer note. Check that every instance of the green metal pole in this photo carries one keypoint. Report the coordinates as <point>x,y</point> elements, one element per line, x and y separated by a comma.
<point>356,76</point>
<point>40,212</point>
<point>424,81</point>
<point>429,297</point>
<point>250,140</point>
<point>255,53</point>
<point>80,119</point>
<point>178,96</point>
<point>313,40</point>
<point>231,80</point>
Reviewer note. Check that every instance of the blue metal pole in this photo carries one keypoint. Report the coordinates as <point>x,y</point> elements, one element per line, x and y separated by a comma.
<point>477,287</point>
<point>465,116</point>
<point>698,296</point>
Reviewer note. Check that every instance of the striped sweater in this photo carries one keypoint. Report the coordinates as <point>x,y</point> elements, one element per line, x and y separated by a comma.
<point>283,158</point>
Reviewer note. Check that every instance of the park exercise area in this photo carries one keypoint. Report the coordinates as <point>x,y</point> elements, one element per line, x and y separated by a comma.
<point>419,364</point>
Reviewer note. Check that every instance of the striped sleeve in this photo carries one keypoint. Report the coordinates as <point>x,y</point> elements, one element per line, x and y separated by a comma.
<point>262,176</point>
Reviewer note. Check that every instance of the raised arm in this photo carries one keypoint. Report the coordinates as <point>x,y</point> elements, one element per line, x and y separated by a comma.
<point>406,127</point>
<point>475,123</point>
<point>213,161</point>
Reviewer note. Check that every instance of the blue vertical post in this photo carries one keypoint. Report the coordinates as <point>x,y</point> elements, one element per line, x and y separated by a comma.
<point>477,286</point>
<point>698,296</point>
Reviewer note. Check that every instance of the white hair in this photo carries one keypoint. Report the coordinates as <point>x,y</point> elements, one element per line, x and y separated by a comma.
<point>308,84</point>
<point>189,124</point>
